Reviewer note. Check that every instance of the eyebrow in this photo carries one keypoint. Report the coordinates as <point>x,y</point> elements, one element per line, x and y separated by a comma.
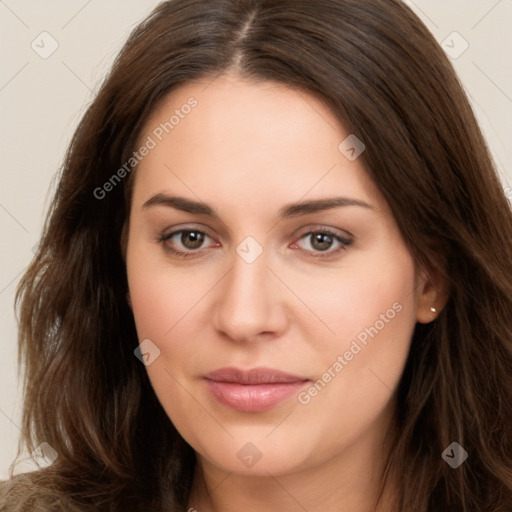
<point>286,212</point>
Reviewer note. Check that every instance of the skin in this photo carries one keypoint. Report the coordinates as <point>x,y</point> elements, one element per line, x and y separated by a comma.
<point>248,149</point>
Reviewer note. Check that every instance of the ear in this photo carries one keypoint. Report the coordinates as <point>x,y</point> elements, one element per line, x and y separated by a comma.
<point>432,292</point>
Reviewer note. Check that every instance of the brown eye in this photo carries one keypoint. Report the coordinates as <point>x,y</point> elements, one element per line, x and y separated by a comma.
<point>184,243</point>
<point>322,241</point>
<point>192,239</point>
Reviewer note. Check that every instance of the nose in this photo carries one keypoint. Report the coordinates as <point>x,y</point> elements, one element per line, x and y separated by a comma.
<point>249,303</point>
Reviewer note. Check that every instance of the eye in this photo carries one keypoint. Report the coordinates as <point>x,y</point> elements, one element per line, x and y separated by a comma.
<point>187,241</point>
<point>322,240</point>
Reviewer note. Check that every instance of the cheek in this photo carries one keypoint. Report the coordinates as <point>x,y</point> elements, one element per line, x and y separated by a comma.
<point>370,300</point>
<point>154,306</point>
<point>170,309</point>
<point>163,302</point>
<point>358,368</point>
<point>161,296</point>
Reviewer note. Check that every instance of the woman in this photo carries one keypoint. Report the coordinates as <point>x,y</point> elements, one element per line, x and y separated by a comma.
<point>276,276</point>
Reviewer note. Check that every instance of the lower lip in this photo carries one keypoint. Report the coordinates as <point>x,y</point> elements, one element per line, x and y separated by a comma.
<point>252,398</point>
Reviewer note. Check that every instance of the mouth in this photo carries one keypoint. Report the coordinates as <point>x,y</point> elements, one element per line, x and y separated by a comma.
<point>254,390</point>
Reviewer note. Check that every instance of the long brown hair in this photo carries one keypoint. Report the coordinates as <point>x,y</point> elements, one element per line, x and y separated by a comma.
<point>383,74</point>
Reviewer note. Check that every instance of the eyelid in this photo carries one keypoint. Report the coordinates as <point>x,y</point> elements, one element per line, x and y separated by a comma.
<point>343,240</point>
<point>165,235</point>
<point>169,232</point>
<point>324,228</point>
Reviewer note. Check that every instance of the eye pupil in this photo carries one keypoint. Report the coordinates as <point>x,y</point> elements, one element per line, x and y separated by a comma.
<point>195,237</point>
<point>323,239</point>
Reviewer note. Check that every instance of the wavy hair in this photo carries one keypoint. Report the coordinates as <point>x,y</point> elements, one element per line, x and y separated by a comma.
<point>383,74</point>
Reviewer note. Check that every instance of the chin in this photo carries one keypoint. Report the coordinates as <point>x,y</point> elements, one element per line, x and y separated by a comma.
<point>257,455</point>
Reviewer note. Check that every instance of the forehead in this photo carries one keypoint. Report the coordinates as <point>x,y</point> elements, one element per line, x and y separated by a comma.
<point>249,138</point>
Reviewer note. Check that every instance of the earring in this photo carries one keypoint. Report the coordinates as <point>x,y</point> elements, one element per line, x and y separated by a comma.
<point>433,309</point>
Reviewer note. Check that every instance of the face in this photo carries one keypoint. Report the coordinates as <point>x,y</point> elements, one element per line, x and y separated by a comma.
<point>276,324</point>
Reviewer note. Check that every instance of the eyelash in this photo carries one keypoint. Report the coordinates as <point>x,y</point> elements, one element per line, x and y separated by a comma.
<point>192,253</point>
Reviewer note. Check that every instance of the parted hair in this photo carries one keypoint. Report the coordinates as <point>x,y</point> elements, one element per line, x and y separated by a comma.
<point>388,81</point>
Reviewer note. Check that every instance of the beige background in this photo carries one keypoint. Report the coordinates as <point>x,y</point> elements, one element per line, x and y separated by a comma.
<point>42,99</point>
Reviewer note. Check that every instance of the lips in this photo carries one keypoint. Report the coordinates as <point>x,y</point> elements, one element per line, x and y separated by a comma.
<point>254,390</point>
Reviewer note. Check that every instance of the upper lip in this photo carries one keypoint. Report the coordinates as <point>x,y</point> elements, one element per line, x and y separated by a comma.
<point>253,376</point>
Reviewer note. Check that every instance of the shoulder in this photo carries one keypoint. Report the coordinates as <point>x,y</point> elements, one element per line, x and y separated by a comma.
<point>32,492</point>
